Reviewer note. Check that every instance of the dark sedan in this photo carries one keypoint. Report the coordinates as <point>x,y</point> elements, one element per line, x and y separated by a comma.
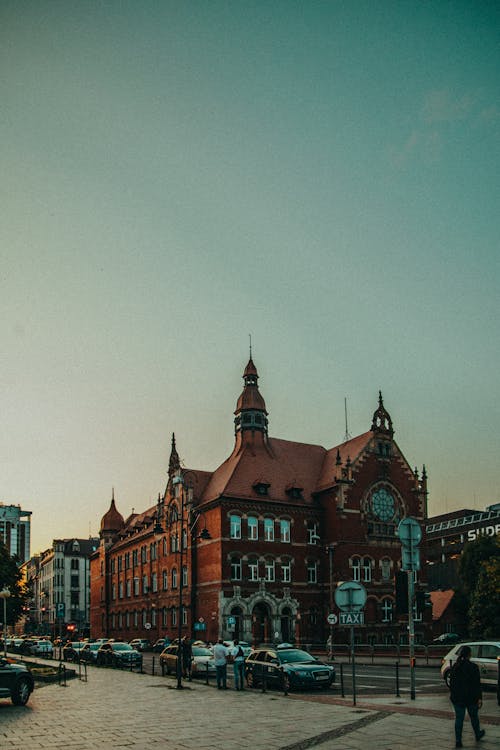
<point>118,654</point>
<point>287,669</point>
<point>16,681</point>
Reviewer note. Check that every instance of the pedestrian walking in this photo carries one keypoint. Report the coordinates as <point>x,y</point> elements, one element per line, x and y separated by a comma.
<point>220,660</point>
<point>238,665</point>
<point>466,694</point>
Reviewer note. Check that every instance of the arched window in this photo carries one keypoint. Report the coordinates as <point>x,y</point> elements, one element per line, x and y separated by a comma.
<point>367,569</point>
<point>269,529</point>
<point>184,575</point>
<point>235,526</point>
<point>285,530</point>
<point>387,610</point>
<point>165,580</point>
<point>236,569</point>
<point>174,578</point>
<point>253,528</point>
<point>253,569</point>
<point>356,568</point>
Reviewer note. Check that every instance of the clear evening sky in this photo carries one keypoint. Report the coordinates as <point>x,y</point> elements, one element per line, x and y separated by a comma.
<point>177,175</point>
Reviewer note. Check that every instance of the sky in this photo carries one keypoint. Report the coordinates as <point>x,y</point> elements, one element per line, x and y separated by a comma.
<point>177,176</point>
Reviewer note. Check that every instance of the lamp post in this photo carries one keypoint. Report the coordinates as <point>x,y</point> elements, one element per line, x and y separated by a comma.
<point>185,528</point>
<point>5,594</point>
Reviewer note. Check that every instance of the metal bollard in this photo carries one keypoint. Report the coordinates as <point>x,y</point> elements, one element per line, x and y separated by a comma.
<point>264,683</point>
<point>342,691</point>
<point>153,666</point>
<point>206,676</point>
<point>62,675</point>
<point>397,680</point>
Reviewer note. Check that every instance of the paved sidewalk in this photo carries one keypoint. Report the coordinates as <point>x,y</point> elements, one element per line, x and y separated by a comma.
<point>123,710</point>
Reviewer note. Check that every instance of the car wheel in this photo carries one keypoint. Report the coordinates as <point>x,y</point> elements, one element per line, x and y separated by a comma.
<point>447,676</point>
<point>21,692</point>
<point>251,681</point>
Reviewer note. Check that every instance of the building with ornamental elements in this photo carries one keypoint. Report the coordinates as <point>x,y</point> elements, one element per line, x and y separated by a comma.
<point>255,549</point>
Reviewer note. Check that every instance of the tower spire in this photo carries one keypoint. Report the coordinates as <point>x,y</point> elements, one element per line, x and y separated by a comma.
<point>174,462</point>
<point>250,413</point>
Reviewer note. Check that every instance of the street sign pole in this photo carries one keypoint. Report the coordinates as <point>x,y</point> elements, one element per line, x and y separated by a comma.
<point>410,535</point>
<point>411,633</point>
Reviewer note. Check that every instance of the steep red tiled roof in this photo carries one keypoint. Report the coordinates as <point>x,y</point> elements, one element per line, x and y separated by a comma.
<point>440,602</point>
<point>277,462</point>
<point>350,449</point>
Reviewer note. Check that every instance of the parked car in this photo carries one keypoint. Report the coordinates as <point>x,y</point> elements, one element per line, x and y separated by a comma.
<point>118,654</point>
<point>88,653</point>
<point>141,644</point>
<point>245,647</point>
<point>203,660</point>
<point>16,681</point>
<point>38,647</point>
<point>483,653</point>
<point>287,668</point>
<point>161,644</point>
<point>71,650</point>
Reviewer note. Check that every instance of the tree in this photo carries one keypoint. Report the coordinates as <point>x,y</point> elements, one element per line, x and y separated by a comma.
<point>11,578</point>
<point>479,557</point>
<point>484,612</point>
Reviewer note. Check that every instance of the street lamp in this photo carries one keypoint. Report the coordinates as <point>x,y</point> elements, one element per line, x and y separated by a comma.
<point>185,528</point>
<point>5,594</point>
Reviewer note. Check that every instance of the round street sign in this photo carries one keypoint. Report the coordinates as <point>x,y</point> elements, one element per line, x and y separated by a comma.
<point>409,532</point>
<point>147,625</point>
<point>350,596</point>
<point>332,619</point>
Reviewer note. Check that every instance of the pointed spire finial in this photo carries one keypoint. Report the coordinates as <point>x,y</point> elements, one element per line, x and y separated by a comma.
<point>250,338</point>
<point>174,462</point>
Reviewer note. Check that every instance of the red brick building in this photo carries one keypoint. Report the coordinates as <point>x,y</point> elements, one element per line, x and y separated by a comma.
<point>286,521</point>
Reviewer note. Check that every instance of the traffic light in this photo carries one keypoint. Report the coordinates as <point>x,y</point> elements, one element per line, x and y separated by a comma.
<point>71,627</point>
<point>423,601</point>
<point>401,592</point>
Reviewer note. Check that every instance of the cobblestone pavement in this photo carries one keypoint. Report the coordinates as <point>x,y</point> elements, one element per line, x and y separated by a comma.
<point>116,709</point>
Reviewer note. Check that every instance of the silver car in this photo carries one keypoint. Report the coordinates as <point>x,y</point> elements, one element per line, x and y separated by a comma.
<point>483,653</point>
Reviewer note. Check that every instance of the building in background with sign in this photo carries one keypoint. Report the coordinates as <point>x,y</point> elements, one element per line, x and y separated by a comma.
<point>286,522</point>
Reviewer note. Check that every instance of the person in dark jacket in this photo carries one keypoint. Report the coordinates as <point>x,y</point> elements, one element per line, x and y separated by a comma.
<point>465,693</point>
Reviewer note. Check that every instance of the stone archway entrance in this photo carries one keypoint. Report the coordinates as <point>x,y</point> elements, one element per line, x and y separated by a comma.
<point>261,624</point>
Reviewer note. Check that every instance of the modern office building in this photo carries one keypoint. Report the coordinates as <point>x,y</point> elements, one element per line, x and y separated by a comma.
<point>255,549</point>
<point>447,535</point>
<point>15,530</point>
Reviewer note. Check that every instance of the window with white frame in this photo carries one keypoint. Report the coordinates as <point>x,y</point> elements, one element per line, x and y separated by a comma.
<point>129,587</point>
<point>136,618</point>
<point>367,569</point>
<point>184,616</point>
<point>164,620</point>
<point>174,616</point>
<point>286,571</point>
<point>312,572</point>
<point>144,617</point>
<point>145,584</point>
<point>356,569</point>
<point>312,533</point>
<point>269,567</point>
<point>153,616</point>
<point>184,575</point>
<point>120,590</point>
<point>253,570</point>
<point>269,529</point>
<point>253,528</point>
<point>174,578</point>
<point>165,546</point>
<point>127,619</point>
<point>387,610</point>
<point>235,526</point>
<point>136,587</point>
<point>285,530</point>
<point>236,569</point>
<point>184,539</point>
<point>174,543</point>
<point>154,582</point>
<point>165,580</point>
<point>385,566</point>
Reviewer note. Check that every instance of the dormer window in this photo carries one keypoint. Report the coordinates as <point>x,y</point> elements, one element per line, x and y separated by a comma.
<point>294,492</point>
<point>261,488</point>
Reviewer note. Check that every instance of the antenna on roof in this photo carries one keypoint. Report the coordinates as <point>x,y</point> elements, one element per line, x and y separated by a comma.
<point>347,435</point>
<point>250,337</point>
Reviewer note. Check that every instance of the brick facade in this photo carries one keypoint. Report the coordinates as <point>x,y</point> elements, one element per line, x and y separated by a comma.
<point>287,521</point>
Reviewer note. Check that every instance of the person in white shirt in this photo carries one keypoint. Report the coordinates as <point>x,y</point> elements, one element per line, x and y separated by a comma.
<point>238,665</point>
<point>220,660</point>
